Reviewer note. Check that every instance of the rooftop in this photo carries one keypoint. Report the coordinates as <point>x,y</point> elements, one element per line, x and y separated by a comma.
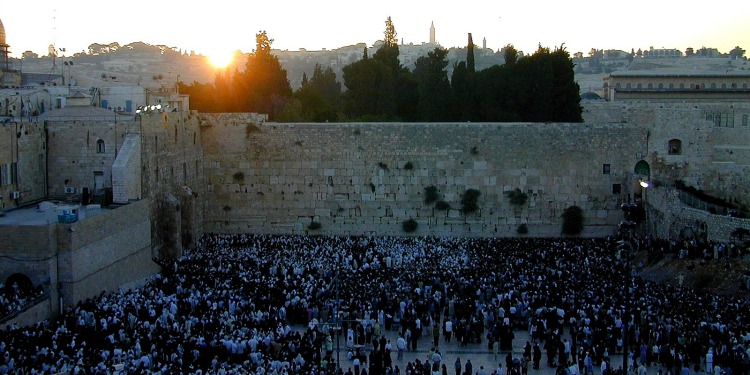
<point>47,213</point>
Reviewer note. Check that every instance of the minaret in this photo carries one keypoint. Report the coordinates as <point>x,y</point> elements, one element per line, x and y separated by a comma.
<point>432,33</point>
<point>484,43</point>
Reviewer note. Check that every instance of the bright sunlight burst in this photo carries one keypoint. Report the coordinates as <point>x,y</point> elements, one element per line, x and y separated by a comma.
<point>220,59</point>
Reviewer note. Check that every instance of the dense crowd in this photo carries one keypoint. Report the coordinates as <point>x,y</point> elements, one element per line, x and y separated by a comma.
<point>14,299</point>
<point>266,305</point>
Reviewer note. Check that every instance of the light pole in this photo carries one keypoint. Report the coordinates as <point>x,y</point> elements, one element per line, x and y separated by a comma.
<point>625,246</point>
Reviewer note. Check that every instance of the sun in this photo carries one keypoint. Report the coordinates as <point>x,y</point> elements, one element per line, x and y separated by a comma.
<point>221,60</point>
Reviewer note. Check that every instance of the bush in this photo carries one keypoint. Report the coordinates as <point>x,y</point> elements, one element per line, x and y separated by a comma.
<point>522,229</point>
<point>469,201</point>
<point>408,166</point>
<point>238,177</point>
<point>410,225</point>
<point>431,194</point>
<point>442,205</point>
<point>517,197</point>
<point>314,225</point>
<point>572,221</point>
<point>383,166</point>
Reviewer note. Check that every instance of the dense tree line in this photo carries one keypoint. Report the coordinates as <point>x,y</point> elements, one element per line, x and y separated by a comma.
<point>539,88</point>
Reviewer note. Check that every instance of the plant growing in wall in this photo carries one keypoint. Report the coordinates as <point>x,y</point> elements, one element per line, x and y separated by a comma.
<point>572,221</point>
<point>517,197</point>
<point>408,166</point>
<point>469,201</point>
<point>238,177</point>
<point>431,194</point>
<point>522,229</point>
<point>442,205</point>
<point>409,225</point>
<point>383,166</point>
<point>227,208</point>
<point>314,225</point>
<point>474,150</point>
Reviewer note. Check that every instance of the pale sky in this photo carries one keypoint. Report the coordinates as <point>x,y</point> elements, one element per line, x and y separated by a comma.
<point>223,26</point>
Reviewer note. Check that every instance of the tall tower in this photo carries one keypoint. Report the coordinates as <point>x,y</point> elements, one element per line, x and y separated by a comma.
<point>4,63</point>
<point>432,33</point>
<point>484,43</point>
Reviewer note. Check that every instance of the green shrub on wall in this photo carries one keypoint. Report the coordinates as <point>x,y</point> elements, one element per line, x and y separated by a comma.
<point>517,197</point>
<point>431,194</point>
<point>522,229</point>
<point>410,225</point>
<point>314,225</point>
<point>469,201</point>
<point>572,221</point>
<point>238,177</point>
<point>442,205</point>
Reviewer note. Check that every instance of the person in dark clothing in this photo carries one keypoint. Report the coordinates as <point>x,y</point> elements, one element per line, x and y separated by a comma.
<point>537,355</point>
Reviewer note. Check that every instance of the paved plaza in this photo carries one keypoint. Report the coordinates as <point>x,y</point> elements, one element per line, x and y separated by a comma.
<point>479,354</point>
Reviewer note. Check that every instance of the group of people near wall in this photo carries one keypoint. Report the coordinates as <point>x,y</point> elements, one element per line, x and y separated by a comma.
<point>268,304</point>
<point>15,298</point>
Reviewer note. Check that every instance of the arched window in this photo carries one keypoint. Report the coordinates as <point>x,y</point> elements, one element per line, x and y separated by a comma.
<point>628,86</point>
<point>639,86</point>
<point>682,85</point>
<point>674,147</point>
<point>713,85</point>
<point>661,85</point>
<point>100,147</point>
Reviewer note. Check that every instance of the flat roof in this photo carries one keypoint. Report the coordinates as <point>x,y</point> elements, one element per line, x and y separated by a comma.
<point>46,213</point>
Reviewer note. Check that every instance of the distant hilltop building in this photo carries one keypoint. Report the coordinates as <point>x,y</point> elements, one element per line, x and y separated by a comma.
<point>432,33</point>
<point>8,76</point>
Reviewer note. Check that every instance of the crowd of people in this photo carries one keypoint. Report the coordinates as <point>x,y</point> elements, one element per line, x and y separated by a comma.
<point>14,299</point>
<point>267,304</point>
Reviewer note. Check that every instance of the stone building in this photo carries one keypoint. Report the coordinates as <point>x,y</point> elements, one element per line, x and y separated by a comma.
<point>658,86</point>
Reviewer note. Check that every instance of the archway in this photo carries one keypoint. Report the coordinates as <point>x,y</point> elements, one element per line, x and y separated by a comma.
<point>642,168</point>
<point>18,284</point>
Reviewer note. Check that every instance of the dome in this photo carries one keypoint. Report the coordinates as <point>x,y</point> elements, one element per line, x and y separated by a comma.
<point>2,33</point>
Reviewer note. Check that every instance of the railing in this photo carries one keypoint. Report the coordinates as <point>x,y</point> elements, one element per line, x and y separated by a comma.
<point>23,308</point>
<point>696,202</point>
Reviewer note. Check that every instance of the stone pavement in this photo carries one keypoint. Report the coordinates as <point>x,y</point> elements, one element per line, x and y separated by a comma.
<point>479,354</point>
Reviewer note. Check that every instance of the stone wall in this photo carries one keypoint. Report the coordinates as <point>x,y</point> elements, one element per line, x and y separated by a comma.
<point>22,143</point>
<point>714,157</point>
<point>670,218</point>
<point>105,251</point>
<point>75,158</point>
<point>172,178</point>
<point>354,179</point>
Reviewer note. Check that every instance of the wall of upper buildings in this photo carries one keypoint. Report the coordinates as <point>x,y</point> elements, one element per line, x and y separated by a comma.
<point>104,251</point>
<point>81,153</point>
<point>620,86</point>
<point>22,163</point>
<point>704,144</point>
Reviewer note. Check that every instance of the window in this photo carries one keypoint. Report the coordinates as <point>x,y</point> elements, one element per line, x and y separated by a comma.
<point>674,147</point>
<point>8,173</point>
<point>100,147</point>
<point>744,120</point>
<point>616,189</point>
<point>606,168</point>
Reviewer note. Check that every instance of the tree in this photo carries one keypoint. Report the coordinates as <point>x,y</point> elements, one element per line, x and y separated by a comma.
<point>737,53</point>
<point>263,84</point>
<point>374,86</point>
<point>510,53</point>
<point>390,33</point>
<point>470,65</point>
<point>434,88</point>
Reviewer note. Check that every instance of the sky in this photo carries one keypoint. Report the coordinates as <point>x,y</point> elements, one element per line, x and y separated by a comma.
<point>223,26</point>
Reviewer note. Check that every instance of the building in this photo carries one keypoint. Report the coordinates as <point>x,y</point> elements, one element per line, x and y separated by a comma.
<point>432,33</point>
<point>658,86</point>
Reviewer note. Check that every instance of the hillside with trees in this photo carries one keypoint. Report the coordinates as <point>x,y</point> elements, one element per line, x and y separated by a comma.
<point>538,87</point>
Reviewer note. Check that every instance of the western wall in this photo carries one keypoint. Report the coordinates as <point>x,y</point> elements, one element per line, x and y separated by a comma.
<point>368,178</point>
